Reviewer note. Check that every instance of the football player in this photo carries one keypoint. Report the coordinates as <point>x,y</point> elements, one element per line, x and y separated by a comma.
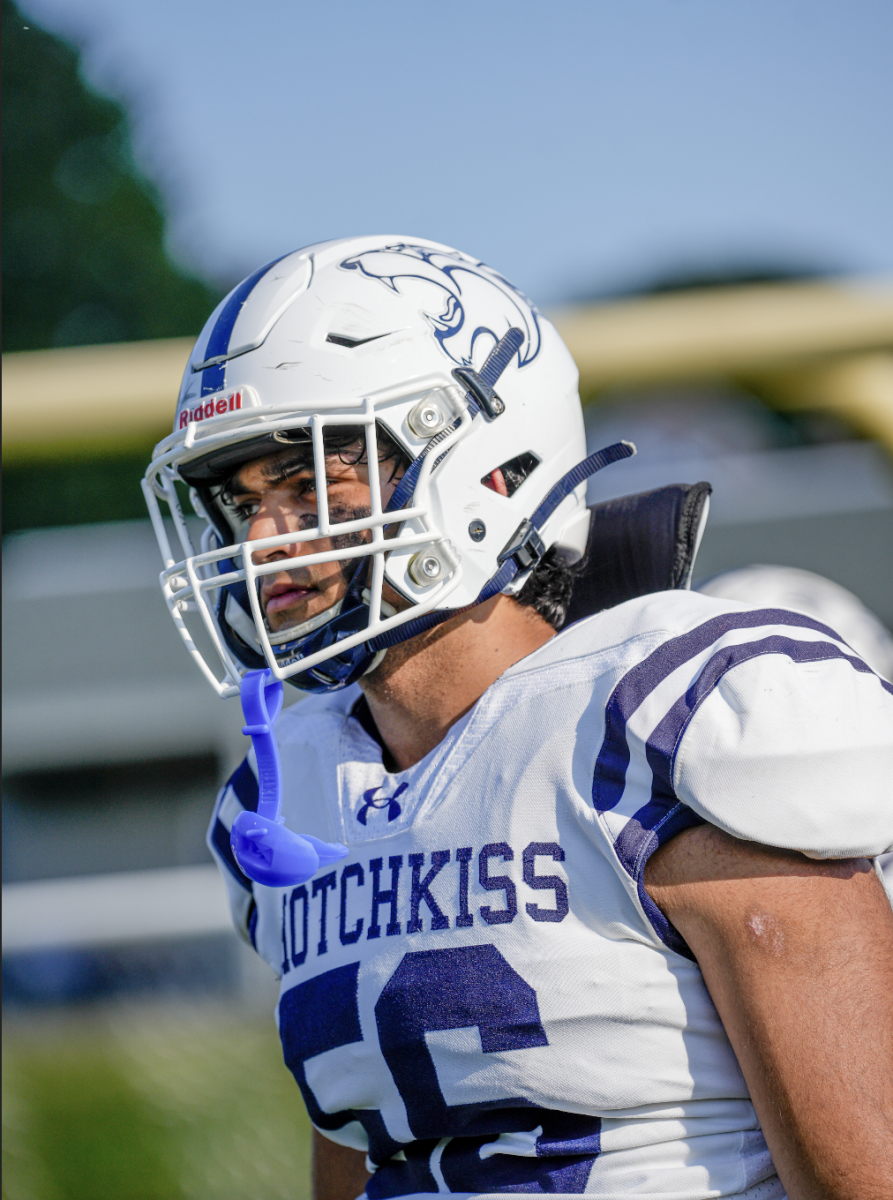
<point>609,921</point>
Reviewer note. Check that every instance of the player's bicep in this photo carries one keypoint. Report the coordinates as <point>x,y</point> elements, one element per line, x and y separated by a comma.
<point>798,958</point>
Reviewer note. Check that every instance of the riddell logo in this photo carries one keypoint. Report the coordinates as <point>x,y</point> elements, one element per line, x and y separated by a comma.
<point>211,408</point>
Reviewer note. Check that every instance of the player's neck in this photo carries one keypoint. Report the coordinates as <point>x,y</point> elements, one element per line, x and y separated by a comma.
<point>425,685</point>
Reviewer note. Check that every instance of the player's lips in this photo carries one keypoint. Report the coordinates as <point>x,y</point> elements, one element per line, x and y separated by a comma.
<point>284,595</point>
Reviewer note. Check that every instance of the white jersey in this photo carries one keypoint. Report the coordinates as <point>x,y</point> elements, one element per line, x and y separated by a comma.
<point>482,994</point>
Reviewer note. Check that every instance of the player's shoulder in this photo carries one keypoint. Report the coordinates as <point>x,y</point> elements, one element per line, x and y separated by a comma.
<point>619,637</point>
<point>678,625</point>
<point>673,650</point>
<point>659,615</point>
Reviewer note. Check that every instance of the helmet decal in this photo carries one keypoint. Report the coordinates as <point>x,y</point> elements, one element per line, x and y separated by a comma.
<point>446,284</point>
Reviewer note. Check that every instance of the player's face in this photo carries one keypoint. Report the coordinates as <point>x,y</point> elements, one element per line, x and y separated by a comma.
<point>276,495</point>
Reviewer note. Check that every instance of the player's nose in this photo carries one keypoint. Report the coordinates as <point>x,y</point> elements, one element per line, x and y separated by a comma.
<point>277,518</point>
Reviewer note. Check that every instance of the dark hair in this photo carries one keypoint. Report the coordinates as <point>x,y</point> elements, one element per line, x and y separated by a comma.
<point>347,442</point>
<point>548,590</point>
<point>344,439</point>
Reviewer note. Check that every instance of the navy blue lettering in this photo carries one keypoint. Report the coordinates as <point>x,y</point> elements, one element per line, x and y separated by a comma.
<point>323,1014</point>
<point>431,991</point>
<point>295,941</point>
<point>387,896</point>
<point>421,890</point>
<point>298,893</point>
<point>322,886</point>
<point>463,857</point>
<point>545,882</point>
<point>353,871</point>
<point>496,883</point>
<point>465,1171</point>
<point>454,989</point>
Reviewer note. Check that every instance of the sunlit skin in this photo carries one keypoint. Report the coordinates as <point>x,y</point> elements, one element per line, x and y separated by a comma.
<point>275,501</point>
<point>274,504</point>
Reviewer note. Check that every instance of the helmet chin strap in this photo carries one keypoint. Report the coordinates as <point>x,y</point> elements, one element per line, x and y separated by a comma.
<point>524,550</point>
<point>308,626</point>
<point>244,626</point>
<point>284,636</point>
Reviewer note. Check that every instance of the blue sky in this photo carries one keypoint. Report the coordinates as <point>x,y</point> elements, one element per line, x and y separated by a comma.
<point>576,146</point>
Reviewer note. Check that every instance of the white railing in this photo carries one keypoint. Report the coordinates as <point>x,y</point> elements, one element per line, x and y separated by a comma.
<point>104,910</point>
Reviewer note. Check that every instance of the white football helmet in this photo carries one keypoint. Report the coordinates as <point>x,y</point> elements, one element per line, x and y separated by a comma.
<point>380,333</point>
<point>767,586</point>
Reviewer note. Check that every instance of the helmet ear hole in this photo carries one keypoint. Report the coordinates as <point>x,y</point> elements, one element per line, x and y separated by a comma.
<point>495,481</point>
<point>508,476</point>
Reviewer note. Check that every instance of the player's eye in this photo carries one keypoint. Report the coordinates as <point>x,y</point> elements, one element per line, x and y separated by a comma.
<point>244,511</point>
<point>307,487</point>
<point>303,489</point>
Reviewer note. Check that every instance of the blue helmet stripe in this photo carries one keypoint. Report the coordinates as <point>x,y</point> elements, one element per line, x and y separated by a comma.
<point>214,378</point>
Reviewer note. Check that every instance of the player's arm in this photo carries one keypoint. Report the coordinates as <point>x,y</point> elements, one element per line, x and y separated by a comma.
<point>797,955</point>
<point>339,1173</point>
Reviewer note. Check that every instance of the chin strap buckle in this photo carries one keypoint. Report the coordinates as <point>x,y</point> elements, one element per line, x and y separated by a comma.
<point>525,546</point>
<point>490,404</point>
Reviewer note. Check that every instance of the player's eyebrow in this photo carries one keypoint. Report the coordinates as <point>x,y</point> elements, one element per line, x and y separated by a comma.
<point>275,472</point>
<point>281,470</point>
<point>285,466</point>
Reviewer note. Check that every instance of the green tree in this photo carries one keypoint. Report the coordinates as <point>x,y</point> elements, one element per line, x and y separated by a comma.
<point>83,229</point>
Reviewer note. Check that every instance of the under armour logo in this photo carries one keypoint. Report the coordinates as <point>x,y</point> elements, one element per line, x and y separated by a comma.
<point>389,802</point>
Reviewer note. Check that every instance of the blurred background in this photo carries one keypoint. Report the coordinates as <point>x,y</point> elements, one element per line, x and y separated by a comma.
<point>698,194</point>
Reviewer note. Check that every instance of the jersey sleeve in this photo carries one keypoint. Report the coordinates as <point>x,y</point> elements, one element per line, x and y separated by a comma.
<point>240,792</point>
<point>785,737</point>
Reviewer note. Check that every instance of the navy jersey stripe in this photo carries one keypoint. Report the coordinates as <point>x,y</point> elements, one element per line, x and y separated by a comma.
<point>665,738</point>
<point>665,814</point>
<point>220,836</point>
<point>637,685</point>
<point>244,784</point>
<point>214,378</point>
<point>640,837</point>
<point>243,781</point>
